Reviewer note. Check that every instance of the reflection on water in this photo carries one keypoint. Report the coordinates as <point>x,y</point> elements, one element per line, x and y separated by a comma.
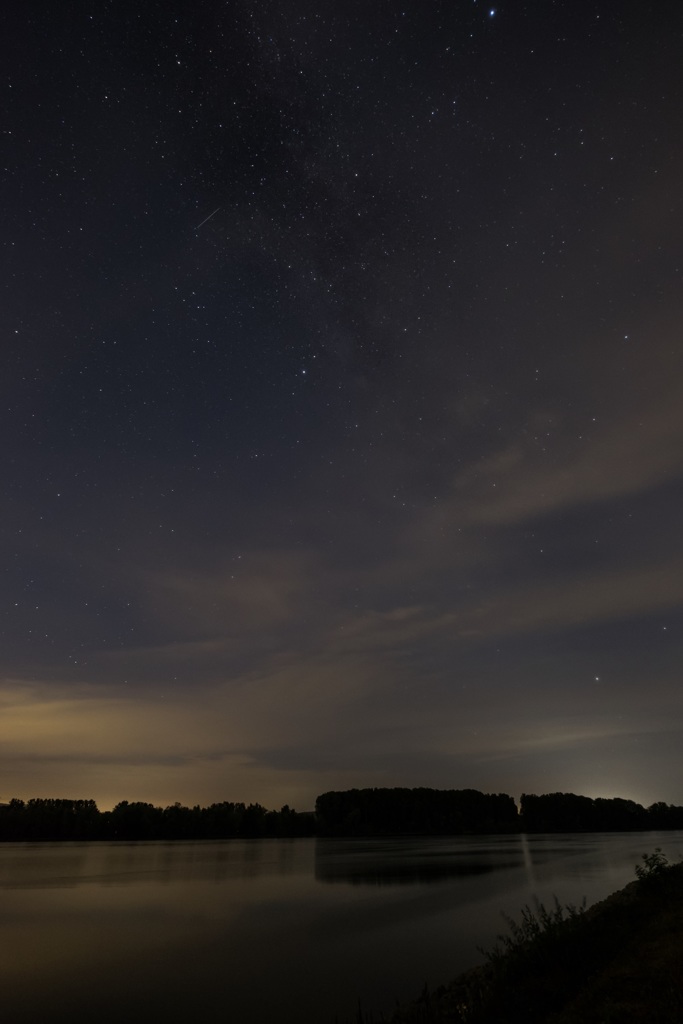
<point>65,865</point>
<point>412,861</point>
<point>253,930</point>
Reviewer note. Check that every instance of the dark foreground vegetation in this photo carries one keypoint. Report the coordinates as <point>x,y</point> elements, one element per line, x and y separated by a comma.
<point>354,812</point>
<point>617,963</point>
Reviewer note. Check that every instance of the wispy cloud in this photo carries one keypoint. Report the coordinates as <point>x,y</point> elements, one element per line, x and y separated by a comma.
<point>623,452</point>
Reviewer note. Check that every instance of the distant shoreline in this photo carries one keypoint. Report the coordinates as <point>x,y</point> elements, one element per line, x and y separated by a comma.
<point>338,814</point>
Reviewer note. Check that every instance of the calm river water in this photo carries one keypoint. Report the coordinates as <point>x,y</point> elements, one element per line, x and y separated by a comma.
<point>282,931</point>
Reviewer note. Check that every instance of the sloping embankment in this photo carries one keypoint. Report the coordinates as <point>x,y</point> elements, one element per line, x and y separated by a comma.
<point>620,962</point>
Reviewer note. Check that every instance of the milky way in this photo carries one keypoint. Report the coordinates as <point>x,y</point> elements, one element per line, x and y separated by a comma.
<point>376,478</point>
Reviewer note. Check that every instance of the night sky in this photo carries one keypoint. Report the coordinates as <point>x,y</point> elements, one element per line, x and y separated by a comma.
<point>341,398</point>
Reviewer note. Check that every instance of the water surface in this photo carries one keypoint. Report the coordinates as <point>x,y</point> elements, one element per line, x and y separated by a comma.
<point>272,930</point>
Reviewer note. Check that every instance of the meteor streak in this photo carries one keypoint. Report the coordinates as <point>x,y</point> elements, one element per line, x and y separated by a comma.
<point>207,218</point>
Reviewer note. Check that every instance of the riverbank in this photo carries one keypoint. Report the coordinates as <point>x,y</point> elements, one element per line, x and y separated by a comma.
<point>619,962</point>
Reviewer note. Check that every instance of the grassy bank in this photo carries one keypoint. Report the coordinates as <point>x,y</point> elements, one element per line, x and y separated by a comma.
<point>620,962</point>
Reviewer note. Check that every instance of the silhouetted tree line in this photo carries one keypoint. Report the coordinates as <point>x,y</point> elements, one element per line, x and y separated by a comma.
<point>51,820</point>
<point>353,812</point>
<point>567,812</point>
<point>363,812</point>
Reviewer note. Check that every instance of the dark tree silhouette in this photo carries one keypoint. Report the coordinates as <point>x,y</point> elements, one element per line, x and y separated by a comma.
<point>354,812</point>
<point>50,820</point>
<point>567,812</point>
<point>414,811</point>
